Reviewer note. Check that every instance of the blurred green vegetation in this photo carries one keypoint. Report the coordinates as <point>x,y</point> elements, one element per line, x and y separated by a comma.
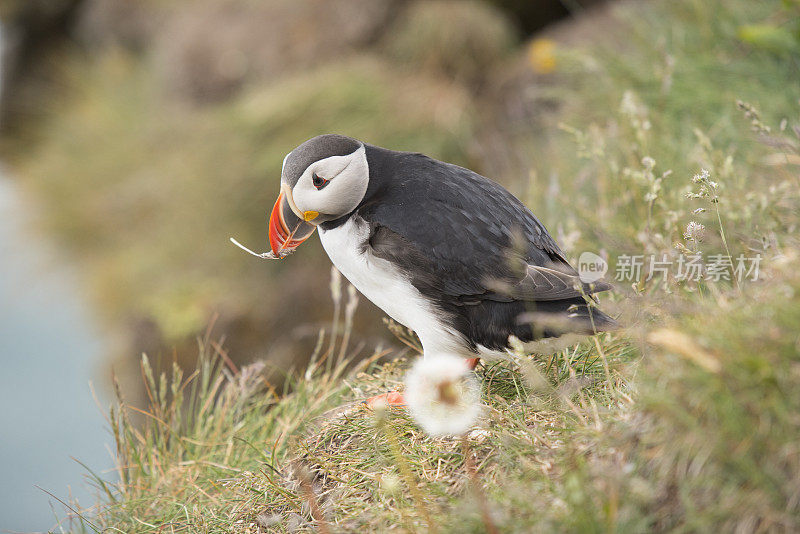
<point>145,195</point>
<point>667,90</point>
<point>145,155</point>
<point>148,194</point>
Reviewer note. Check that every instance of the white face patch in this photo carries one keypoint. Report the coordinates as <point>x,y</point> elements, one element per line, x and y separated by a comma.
<point>348,178</point>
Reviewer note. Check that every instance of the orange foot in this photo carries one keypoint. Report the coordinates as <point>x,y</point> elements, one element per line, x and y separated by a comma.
<point>472,363</point>
<point>393,398</point>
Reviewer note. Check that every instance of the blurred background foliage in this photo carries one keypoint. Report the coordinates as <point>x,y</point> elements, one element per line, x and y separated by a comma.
<point>149,132</point>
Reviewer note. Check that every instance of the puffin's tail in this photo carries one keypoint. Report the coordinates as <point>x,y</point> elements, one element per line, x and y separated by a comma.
<point>591,319</point>
<point>556,318</point>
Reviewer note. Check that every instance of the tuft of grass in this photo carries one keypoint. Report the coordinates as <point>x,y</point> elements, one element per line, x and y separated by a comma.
<point>197,435</point>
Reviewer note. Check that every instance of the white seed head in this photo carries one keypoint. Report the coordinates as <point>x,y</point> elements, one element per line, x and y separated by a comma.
<point>443,395</point>
<point>701,177</point>
<point>694,232</point>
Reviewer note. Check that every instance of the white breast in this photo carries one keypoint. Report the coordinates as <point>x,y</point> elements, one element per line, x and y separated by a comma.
<point>382,283</point>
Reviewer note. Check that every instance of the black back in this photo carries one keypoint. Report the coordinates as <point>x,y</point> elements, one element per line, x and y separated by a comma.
<point>470,246</point>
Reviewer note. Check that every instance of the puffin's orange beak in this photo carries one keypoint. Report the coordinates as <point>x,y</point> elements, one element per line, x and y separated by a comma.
<point>286,230</point>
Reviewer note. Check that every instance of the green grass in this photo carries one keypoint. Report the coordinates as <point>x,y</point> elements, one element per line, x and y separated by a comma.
<point>686,421</point>
<point>219,450</point>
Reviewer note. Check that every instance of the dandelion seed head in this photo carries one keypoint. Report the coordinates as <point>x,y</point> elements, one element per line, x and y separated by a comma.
<point>443,395</point>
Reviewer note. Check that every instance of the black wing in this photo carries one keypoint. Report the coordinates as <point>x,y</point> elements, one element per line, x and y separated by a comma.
<point>466,236</point>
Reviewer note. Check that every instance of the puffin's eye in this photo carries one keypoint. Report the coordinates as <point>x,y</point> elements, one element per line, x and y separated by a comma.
<point>319,182</point>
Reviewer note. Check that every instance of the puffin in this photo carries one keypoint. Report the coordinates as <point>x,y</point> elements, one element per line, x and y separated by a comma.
<point>442,250</point>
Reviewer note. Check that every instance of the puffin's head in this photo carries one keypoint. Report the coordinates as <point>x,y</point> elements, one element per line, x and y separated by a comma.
<point>321,180</point>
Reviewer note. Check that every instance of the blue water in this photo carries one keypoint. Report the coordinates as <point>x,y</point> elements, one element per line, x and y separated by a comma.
<point>49,353</point>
